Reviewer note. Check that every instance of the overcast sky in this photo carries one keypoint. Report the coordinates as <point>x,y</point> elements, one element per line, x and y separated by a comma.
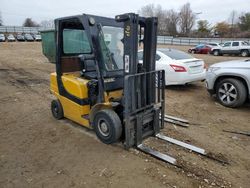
<point>15,11</point>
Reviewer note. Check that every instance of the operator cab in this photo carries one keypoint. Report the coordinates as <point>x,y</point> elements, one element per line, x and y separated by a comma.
<point>78,54</point>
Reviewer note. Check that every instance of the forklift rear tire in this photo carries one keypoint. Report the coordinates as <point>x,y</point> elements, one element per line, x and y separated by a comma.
<point>107,126</point>
<point>57,109</point>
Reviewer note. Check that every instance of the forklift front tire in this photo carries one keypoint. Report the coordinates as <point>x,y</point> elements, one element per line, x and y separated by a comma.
<point>57,109</point>
<point>107,126</point>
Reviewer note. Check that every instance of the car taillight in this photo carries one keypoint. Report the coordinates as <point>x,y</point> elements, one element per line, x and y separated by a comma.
<point>178,68</point>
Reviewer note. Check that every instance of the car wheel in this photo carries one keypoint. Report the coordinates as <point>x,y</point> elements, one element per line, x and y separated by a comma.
<point>107,126</point>
<point>57,109</point>
<point>244,53</point>
<point>231,92</point>
<point>216,52</point>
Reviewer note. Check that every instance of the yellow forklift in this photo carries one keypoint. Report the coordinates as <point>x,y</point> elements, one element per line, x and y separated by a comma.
<point>100,84</point>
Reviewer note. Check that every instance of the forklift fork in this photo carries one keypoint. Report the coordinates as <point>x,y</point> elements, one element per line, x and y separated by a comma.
<point>144,115</point>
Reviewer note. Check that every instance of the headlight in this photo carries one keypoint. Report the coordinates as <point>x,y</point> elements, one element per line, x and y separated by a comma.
<point>213,69</point>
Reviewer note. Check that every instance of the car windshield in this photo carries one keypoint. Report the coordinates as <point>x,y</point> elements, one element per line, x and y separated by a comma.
<point>176,54</point>
<point>112,47</point>
<point>1,35</point>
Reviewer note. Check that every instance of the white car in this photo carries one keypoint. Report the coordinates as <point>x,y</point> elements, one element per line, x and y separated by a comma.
<point>11,38</point>
<point>180,67</point>
<point>37,37</point>
<point>2,37</point>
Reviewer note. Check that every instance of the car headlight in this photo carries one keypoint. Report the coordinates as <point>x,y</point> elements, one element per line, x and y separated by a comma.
<point>213,69</point>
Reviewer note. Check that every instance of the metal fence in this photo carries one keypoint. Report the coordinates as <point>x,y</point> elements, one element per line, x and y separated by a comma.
<point>169,40</point>
<point>194,41</point>
<point>20,29</point>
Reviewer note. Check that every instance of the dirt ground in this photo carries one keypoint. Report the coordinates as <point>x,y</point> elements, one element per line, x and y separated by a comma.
<point>38,151</point>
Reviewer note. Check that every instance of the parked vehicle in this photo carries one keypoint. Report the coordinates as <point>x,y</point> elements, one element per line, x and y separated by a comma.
<point>28,37</point>
<point>180,67</point>
<point>11,38</point>
<point>2,38</point>
<point>20,37</point>
<point>37,37</point>
<point>229,82</point>
<point>200,49</point>
<point>232,47</point>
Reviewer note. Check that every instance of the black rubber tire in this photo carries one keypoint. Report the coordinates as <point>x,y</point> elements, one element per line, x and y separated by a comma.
<point>113,123</point>
<point>244,53</point>
<point>216,52</point>
<point>57,109</point>
<point>241,92</point>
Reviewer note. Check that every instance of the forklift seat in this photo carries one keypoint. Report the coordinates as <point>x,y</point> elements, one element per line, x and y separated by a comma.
<point>90,70</point>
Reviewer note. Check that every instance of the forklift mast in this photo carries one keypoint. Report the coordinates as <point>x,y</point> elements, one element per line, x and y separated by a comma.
<point>143,85</point>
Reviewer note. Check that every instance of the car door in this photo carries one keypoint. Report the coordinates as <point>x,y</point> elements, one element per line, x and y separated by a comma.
<point>226,48</point>
<point>205,50</point>
<point>235,47</point>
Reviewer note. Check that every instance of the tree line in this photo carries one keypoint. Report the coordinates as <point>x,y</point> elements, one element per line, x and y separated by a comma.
<point>181,23</point>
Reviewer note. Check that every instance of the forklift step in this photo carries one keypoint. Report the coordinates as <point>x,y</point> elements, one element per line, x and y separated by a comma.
<point>156,154</point>
<point>182,144</point>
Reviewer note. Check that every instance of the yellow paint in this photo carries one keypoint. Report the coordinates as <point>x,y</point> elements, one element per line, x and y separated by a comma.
<point>77,86</point>
<point>113,94</point>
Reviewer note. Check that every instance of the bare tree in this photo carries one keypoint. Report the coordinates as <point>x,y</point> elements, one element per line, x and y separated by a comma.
<point>233,19</point>
<point>151,10</point>
<point>47,24</point>
<point>167,19</point>
<point>1,19</point>
<point>171,21</point>
<point>147,10</point>
<point>187,19</point>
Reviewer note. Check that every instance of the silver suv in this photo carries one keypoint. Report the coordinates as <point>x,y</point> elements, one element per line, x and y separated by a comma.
<point>230,82</point>
<point>232,47</point>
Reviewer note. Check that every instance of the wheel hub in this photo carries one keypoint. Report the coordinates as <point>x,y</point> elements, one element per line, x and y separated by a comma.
<point>227,93</point>
<point>103,128</point>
